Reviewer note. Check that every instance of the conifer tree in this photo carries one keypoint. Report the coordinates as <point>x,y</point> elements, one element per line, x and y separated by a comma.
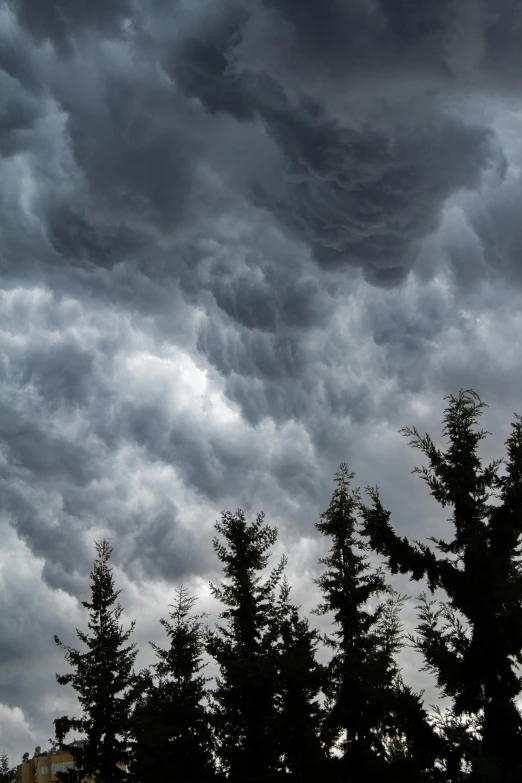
<point>7,773</point>
<point>104,680</point>
<point>171,725</point>
<point>244,700</point>
<point>368,707</point>
<point>475,653</point>
<point>299,683</point>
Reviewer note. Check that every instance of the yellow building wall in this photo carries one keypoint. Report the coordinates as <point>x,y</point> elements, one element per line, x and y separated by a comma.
<point>25,773</point>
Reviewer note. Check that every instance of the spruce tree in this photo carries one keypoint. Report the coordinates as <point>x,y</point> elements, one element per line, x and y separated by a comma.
<point>368,708</point>
<point>299,683</point>
<point>475,653</point>
<point>104,680</point>
<point>171,725</point>
<point>7,773</point>
<point>244,699</point>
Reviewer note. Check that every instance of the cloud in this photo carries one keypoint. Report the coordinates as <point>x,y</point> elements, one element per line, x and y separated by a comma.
<point>369,198</point>
<point>64,20</point>
<point>352,193</point>
<point>495,220</point>
<point>403,45</point>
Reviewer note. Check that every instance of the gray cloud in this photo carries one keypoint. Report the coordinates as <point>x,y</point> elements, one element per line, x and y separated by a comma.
<point>64,20</point>
<point>21,111</point>
<point>496,222</point>
<point>353,194</point>
<point>130,199</point>
<point>366,35</point>
<point>451,45</point>
<point>369,198</point>
<point>201,67</point>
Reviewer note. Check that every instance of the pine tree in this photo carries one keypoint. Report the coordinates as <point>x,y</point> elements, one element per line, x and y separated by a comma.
<point>461,743</point>
<point>244,708</point>
<point>474,655</point>
<point>7,773</point>
<point>171,725</point>
<point>300,679</point>
<point>411,745</point>
<point>368,707</point>
<point>104,680</point>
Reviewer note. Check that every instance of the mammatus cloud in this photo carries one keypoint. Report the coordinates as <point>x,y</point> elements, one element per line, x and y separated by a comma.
<point>241,243</point>
<point>65,21</point>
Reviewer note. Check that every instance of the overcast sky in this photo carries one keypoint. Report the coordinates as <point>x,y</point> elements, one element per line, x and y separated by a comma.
<point>241,242</point>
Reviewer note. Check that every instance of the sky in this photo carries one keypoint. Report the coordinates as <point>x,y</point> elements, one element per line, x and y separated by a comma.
<point>241,242</point>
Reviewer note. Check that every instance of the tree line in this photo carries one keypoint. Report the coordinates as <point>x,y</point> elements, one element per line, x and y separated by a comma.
<point>274,712</point>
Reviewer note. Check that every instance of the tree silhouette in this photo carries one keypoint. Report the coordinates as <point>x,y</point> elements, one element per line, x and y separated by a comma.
<point>369,711</point>
<point>104,680</point>
<point>299,683</point>
<point>475,653</point>
<point>244,699</point>
<point>7,773</point>
<point>171,725</point>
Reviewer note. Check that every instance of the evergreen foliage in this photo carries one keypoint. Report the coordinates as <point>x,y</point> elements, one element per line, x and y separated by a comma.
<point>104,680</point>
<point>300,678</point>
<point>475,653</point>
<point>369,711</point>
<point>7,773</point>
<point>171,727</point>
<point>244,700</point>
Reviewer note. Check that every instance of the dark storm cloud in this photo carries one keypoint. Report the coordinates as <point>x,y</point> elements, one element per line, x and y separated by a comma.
<point>20,111</point>
<point>345,34</point>
<point>368,197</point>
<point>168,550</point>
<point>62,20</point>
<point>452,43</point>
<point>496,221</point>
<point>137,169</point>
<point>265,289</point>
<point>201,67</point>
<point>48,532</point>
<point>131,176</point>
<point>354,195</point>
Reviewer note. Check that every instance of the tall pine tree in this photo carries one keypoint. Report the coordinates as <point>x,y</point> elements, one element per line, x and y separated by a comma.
<point>475,654</point>
<point>104,680</point>
<point>171,724</point>
<point>368,709</point>
<point>299,683</point>
<point>244,700</point>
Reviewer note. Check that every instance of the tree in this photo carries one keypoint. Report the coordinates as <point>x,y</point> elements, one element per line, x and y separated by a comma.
<point>243,702</point>
<point>299,683</point>
<point>171,725</point>
<point>7,773</point>
<point>104,680</point>
<point>476,652</point>
<point>368,708</point>
<point>461,741</point>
